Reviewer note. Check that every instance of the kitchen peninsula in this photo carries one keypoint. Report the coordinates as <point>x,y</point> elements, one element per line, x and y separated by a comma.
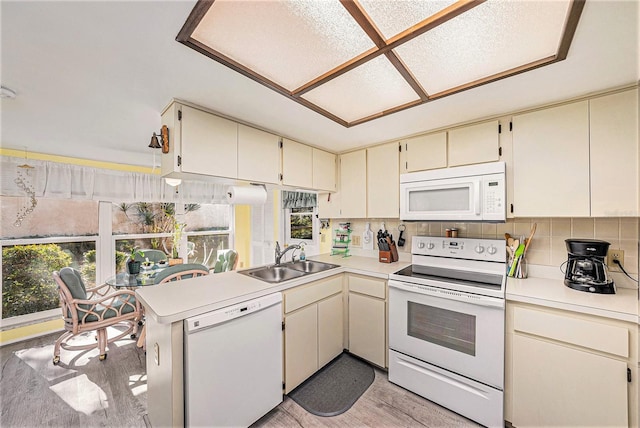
<point>168,305</point>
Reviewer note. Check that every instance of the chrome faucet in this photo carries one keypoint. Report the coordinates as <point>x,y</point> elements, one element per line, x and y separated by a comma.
<point>280,254</point>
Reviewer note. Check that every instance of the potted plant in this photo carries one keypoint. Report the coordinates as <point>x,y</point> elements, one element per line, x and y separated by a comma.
<point>133,265</point>
<point>178,228</point>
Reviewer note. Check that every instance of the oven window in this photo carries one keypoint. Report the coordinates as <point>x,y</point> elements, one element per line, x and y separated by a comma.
<point>440,200</point>
<point>453,330</point>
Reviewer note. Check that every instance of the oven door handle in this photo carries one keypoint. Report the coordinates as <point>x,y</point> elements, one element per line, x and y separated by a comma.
<point>441,293</point>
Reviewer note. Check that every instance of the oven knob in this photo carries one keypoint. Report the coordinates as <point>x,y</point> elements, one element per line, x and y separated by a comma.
<point>431,246</point>
<point>479,249</point>
<point>492,250</point>
<point>421,245</point>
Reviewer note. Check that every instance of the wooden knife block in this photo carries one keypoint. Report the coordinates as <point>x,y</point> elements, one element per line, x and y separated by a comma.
<point>388,256</point>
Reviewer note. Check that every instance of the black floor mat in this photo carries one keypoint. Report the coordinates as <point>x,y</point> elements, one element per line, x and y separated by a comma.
<point>336,387</point>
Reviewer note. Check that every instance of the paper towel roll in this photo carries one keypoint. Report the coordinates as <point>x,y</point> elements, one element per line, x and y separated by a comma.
<point>246,195</point>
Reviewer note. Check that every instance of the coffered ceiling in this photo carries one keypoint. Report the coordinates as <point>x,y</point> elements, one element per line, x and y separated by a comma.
<point>355,61</point>
<point>92,77</point>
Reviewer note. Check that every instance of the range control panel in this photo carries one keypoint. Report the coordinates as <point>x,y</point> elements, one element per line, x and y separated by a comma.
<point>460,248</point>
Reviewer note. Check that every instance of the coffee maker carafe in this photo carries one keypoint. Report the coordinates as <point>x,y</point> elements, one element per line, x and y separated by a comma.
<point>586,268</point>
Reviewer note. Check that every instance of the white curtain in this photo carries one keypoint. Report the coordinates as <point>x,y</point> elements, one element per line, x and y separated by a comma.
<point>58,180</point>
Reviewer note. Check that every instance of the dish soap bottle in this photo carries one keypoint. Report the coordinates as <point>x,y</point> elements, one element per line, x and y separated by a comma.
<point>303,256</point>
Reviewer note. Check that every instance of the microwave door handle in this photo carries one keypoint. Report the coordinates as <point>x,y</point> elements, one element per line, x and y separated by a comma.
<point>476,194</point>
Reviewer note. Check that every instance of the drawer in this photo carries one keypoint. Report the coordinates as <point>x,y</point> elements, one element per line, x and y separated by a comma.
<point>311,293</point>
<point>374,287</point>
<point>576,331</point>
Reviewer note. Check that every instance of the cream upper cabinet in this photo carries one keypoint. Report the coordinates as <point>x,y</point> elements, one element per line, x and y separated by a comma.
<point>423,152</point>
<point>551,162</point>
<point>353,184</point>
<point>569,369</point>
<point>329,205</point>
<point>200,143</point>
<point>297,164</point>
<point>474,144</point>
<point>614,154</point>
<point>383,181</point>
<point>324,170</point>
<point>258,155</point>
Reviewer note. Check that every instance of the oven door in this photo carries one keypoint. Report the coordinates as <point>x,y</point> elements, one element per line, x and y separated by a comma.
<point>460,332</point>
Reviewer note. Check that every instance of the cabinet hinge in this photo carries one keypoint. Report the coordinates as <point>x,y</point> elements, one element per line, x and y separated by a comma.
<point>179,114</point>
<point>406,165</point>
<point>283,385</point>
<point>511,208</point>
<point>179,160</point>
<point>510,126</point>
<point>629,375</point>
<point>281,143</point>
<point>499,151</point>
<point>499,129</point>
<point>283,330</point>
<point>281,177</point>
<point>400,148</point>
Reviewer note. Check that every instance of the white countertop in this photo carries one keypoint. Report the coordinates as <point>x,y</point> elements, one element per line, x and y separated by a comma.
<point>176,301</point>
<point>553,293</point>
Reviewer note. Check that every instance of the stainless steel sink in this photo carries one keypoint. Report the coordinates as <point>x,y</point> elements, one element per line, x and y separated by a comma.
<point>273,273</point>
<point>310,266</point>
<point>287,271</point>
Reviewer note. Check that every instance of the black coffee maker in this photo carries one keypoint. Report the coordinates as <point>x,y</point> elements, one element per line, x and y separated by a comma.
<point>586,268</point>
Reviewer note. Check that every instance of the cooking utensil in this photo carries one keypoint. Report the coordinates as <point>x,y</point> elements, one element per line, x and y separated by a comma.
<point>528,240</point>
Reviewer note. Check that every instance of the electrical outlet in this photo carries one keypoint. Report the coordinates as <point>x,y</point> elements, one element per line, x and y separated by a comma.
<point>615,255</point>
<point>356,241</point>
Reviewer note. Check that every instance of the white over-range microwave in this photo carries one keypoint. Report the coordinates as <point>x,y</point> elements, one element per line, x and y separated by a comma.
<point>464,193</point>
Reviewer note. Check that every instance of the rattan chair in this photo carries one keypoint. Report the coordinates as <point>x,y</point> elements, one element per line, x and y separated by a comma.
<point>174,273</point>
<point>93,309</point>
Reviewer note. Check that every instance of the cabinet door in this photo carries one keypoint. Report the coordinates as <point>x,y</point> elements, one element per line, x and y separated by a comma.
<point>613,123</point>
<point>301,346</point>
<point>353,184</point>
<point>258,155</point>
<point>297,164</point>
<point>474,144</point>
<point>324,170</point>
<point>551,162</point>
<point>367,330</point>
<point>424,152</point>
<point>209,144</point>
<point>330,327</point>
<point>329,205</point>
<point>554,385</point>
<point>383,181</point>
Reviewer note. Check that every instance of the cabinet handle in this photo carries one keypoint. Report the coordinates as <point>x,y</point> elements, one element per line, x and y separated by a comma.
<point>629,375</point>
<point>511,208</point>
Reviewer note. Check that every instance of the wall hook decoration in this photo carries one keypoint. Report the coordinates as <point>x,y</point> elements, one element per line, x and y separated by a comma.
<point>164,134</point>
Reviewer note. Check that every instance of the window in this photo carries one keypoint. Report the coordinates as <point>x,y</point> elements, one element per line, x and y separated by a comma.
<point>65,232</point>
<point>56,234</point>
<point>300,225</point>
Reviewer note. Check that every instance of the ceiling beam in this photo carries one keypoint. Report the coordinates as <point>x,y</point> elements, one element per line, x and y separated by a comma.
<point>570,28</point>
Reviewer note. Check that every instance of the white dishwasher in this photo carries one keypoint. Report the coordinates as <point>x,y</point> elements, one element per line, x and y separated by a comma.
<point>233,363</point>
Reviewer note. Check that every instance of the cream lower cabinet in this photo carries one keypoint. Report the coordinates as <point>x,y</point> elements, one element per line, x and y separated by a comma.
<point>569,369</point>
<point>313,328</point>
<point>368,318</point>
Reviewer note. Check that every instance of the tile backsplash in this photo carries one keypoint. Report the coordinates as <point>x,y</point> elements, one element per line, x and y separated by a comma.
<point>547,247</point>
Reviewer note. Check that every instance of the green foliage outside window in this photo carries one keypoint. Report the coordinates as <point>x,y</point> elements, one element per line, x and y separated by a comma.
<point>27,284</point>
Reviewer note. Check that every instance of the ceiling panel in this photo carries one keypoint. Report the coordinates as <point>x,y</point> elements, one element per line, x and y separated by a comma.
<point>488,39</point>
<point>289,42</point>
<point>393,17</point>
<point>363,91</point>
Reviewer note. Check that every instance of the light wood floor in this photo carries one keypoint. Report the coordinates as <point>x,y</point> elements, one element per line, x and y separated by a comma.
<point>85,392</point>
